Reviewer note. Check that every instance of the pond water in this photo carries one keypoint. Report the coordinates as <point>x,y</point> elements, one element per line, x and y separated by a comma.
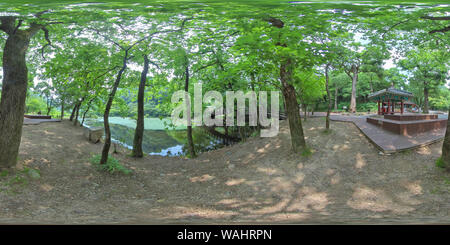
<point>159,137</point>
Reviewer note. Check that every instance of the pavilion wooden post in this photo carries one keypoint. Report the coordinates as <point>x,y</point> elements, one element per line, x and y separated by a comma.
<point>388,106</point>
<point>379,112</point>
<point>393,107</point>
<point>401,107</point>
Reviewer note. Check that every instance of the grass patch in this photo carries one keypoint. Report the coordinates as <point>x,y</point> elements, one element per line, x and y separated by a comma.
<point>406,151</point>
<point>306,152</point>
<point>4,173</point>
<point>13,182</point>
<point>112,166</point>
<point>447,181</point>
<point>327,132</point>
<point>440,163</point>
<point>255,133</point>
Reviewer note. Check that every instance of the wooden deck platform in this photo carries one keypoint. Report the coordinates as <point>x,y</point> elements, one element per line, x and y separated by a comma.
<point>29,121</point>
<point>389,142</point>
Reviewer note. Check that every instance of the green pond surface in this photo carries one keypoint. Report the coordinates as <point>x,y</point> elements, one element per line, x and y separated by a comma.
<point>159,137</point>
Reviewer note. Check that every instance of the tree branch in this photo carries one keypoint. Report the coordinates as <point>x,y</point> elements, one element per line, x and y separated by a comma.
<point>49,43</point>
<point>445,29</point>
<point>154,63</point>
<point>159,32</point>
<point>275,22</point>
<point>206,66</point>
<point>39,14</point>
<point>106,37</point>
<point>17,27</point>
<point>34,28</point>
<point>436,18</point>
<point>393,26</point>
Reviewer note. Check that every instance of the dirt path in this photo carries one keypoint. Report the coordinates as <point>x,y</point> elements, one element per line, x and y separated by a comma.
<point>345,180</point>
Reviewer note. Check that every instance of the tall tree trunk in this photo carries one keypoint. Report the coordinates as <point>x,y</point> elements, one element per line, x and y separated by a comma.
<point>425,99</point>
<point>354,82</point>
<point>290,97</point>
<point>107,145</point>
<point>14,92</point>
<point>335,98</point>
<point>62,108</point>
<point>446,146</point>
<point>191,148</point>
<point>327,120</point>
<point>292,107</point>
<point>139,132</point>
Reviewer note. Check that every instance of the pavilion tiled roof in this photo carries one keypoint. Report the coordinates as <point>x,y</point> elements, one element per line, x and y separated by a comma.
<point>392,91</point>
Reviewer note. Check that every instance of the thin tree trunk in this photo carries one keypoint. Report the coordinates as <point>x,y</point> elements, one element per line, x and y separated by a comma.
<point>139,132</point>
<point>241,132</point>
<point>425,99</point>
<point>86,111</point>
<point>75,122</point>
<point>107,145</point>
<point>446,146</point>
<point>62,108</point>
<point>252,85</point>
<point>191,148</point>
<point>336,98</point>
<point>371,82</point>
<point>305,113</point>
<point>14,91</point>
<point>49,106</point>
<point>327,120</point>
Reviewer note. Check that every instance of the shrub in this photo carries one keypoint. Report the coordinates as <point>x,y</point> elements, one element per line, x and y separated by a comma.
<point>111,166</point>
<point>363,107</point>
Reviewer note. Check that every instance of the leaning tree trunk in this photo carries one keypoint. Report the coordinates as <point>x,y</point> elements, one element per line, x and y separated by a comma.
<point>446,146</point>
<point>191,148</point>
<point>292,108</point>
<point>425,99</point>
<point>14,92</point>
<point>88,107</point>
<point>327,78</point>
<point>73,112</point>
<point>139,132</point>
<point>107,145</point>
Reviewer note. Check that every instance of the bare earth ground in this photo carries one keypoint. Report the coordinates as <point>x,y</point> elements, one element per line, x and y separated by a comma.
<point>345,180</point>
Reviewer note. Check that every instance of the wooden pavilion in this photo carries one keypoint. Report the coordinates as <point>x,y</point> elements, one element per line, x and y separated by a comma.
<point>387,98</point>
